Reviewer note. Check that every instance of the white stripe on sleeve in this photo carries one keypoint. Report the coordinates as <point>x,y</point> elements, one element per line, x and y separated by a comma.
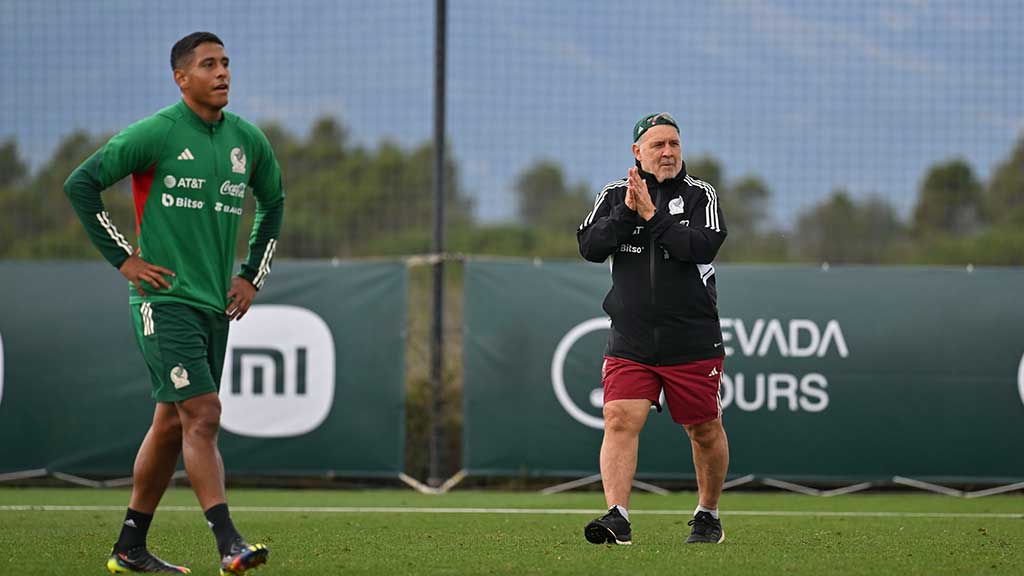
<point>113,232</point>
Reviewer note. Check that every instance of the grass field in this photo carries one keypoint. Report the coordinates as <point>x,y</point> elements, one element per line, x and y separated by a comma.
<point>402,532</point>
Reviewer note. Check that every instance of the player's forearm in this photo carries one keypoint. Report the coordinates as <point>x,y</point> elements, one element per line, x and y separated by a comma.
<point>84,191</point>
<point>601,238</point>
<point>686,244</point>
<point>263,242</point>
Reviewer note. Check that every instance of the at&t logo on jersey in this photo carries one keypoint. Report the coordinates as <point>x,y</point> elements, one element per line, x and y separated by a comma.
<point>187,183</point>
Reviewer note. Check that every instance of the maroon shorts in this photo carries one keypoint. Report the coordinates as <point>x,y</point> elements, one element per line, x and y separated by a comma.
<point>691,389</point>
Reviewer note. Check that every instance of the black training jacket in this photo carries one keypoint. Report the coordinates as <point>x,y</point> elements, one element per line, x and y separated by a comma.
<point>663,302</point>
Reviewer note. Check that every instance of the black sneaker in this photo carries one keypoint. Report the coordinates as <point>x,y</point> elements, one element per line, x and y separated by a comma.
<point>243,557</point>
<point>706,529</point>
<point>611,528</point>
<point>139,559</point>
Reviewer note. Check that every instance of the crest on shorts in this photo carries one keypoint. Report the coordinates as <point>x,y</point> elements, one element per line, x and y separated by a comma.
<point>675,206</point>
<point>179,376</point>
<point>238,160</point>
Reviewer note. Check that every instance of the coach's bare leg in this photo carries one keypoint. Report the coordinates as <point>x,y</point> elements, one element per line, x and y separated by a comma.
<point>710,459</point>
<point>623,420</point>
<point>156,460</point>
<point>200,422</point>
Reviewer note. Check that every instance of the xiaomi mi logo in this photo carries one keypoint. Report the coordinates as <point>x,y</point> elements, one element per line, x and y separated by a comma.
<point>278,378</point>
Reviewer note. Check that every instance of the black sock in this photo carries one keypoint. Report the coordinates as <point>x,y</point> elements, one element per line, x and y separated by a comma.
<point>224,531</point>
<point>133,531</point>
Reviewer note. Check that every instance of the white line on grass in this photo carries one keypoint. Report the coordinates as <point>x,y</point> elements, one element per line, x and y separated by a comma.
<point>416,510</point>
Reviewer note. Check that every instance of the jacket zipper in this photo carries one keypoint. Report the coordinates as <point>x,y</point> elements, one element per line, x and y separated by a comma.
<point>216,152</point>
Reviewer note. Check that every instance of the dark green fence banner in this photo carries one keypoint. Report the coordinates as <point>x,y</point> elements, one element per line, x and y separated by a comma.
<point>841,374</point>
<point>313,381</point>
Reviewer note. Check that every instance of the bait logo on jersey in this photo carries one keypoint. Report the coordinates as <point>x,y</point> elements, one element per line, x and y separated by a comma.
<point>278,378</point>
<point>238,161</point>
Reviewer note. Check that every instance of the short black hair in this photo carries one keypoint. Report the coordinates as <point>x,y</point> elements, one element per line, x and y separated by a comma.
<point>184,48</point>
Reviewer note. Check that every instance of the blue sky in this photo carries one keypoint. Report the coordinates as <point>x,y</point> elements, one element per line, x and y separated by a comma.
<point>808,95</point>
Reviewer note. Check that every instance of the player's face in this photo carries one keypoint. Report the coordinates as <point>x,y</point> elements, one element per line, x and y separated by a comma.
<point>206,78</point>
<point>660,152</point>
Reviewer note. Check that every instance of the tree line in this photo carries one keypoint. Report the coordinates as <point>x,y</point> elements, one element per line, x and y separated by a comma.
<point>350,201</point>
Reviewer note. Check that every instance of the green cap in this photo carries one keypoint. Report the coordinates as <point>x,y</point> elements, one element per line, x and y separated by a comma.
<point>651,120</point>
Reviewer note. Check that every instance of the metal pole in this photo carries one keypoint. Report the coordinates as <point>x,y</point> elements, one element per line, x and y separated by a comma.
<point>437,329</point>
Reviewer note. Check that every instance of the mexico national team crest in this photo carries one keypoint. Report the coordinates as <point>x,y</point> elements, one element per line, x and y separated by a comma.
<point>238,161</point>
<point>179,376</point>
<point>675,206</point>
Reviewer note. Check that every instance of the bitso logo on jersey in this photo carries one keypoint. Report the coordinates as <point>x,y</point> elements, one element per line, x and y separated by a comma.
<point>175,201</point>
<point>278,378</point>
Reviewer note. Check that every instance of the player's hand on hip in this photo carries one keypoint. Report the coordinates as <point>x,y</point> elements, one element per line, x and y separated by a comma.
<point>240,297</point>
<point>137,271</point>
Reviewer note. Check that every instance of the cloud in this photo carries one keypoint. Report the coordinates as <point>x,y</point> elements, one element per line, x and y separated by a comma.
<point>896,19</point>
<point>967,18</point>
<point>560,48</point>
<point>815,40</point>
<point>1008,123</point>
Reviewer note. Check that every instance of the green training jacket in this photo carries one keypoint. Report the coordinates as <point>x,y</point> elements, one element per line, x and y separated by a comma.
<point>189,180</point>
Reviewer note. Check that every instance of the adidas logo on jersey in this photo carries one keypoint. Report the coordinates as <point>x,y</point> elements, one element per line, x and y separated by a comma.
<point>186,154</point>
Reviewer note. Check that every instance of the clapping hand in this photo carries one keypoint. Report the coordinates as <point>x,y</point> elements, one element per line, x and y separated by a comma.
<point>638,198</point>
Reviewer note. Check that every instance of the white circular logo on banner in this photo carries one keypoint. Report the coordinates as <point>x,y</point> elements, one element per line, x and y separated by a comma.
<point>558,370</point>
<point>278,376</point>
<point>1020,378</point>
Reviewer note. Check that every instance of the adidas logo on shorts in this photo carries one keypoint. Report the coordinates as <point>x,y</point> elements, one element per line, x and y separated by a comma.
<point>714,371</point>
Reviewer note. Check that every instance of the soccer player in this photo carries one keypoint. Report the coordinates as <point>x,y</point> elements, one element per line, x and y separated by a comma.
<point>662,228</point>
<point>191,165</point>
